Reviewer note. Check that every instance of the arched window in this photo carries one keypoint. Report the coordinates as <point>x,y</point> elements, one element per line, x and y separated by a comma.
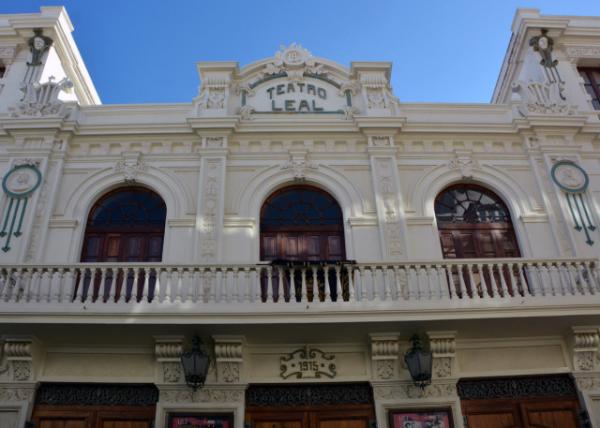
<point>474,222</point>
<point>125,225</point>
<point>301,223</point>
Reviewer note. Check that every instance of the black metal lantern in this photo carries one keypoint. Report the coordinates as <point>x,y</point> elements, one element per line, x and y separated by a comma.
<point>195,364</point>
<point>419,363</point>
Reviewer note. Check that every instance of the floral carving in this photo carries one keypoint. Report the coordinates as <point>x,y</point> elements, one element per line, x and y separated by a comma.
<point>442,367</point>
<point>375,98</point>
<point>41,99</point>
<point>210,206</point>
<point>230,372</point>
<point>21,370</point>
<point>295,62</point>
<point>16,394</point>
<point>465,164</point>
<point>299,168</point>
<point>384,369</point>
<point>171,372</point>
<point>390,202</point>
<point>130,167</point>
<point>216,98</point>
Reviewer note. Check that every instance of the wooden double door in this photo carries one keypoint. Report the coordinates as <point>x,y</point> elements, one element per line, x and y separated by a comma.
<point>534,413</point>
<point>93,417</point>
<point>344,416</point>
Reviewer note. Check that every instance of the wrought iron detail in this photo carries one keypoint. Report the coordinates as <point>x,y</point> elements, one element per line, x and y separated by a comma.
<point>517,387</point>
<point>96,394</point>
<point>308,395</point>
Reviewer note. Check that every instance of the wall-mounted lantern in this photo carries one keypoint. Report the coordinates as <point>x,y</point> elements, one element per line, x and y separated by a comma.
<point>419,363</point>
<point>195,364</point>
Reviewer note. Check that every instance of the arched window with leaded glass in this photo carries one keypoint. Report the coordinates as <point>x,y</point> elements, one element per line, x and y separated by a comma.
<point>301,223</point>
<point>474,222</point>
<point>125,225</point>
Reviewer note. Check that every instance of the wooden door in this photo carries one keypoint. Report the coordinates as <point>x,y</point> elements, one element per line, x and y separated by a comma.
<point>46,416</point>
<point>525,413</point>
<point>340,419</point>
<point>305,417</point>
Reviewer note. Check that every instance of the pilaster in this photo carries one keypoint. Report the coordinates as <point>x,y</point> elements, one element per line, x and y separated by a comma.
<point>585,355</point>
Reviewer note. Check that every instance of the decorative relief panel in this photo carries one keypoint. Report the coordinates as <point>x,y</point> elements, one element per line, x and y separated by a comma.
<point>464,163</point>
<point>299,166</point>
<point>229,358</point>
<point>18,353</point>
<point>385,350</point>
<point>410,391</point>
<point>210,208</point>
<point>16,394</point>
<point>388,192</point>
<point>585,348</point>
<point>130,166</point>
<point>308,363</point>
<point>41,100</point>
<point>443,348</point>
<point>168,350</point>
<point>204,395</point>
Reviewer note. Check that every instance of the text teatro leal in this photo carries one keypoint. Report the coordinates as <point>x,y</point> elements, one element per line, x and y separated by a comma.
<point>301,105</point>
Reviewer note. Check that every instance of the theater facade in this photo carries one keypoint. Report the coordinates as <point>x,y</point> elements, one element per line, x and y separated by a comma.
<point>307,226</point>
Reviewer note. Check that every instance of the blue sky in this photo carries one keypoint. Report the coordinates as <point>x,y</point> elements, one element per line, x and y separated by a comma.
<point>141,51</point>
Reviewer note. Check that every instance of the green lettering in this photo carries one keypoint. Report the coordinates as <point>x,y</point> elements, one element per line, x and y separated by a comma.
<point>290,88</point>
<point>300,86</point>
<point>280,89</point>
<point>322,93</point>
<point>270,91</point>
<point>310,88</point>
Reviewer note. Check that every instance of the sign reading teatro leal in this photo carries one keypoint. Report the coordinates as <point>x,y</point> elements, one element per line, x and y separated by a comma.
<point>294,82</point>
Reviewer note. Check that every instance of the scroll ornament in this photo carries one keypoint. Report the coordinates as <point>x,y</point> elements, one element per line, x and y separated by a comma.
<point>20,182</point>
<point>573,181</point>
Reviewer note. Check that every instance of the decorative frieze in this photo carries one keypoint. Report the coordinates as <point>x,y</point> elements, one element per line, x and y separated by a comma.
<point>203,395</point>
<point>9,392</point>
<point>308,363</point>
<point>574,52</point>
<point>463,162</point>
<point>388,206</point>
<point>96,394</point>
<point>410,391</point>
<point>308,394</point>
<point>443,347</point>
<point>517,387</point>
<point>585,348</point>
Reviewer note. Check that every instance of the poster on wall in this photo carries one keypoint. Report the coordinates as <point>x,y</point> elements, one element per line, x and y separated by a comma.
<point>200,420</point>
<point>421,418</point>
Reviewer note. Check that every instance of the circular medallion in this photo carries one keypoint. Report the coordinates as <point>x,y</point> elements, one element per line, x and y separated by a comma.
<point>21,181</point>
<point>570,177</point>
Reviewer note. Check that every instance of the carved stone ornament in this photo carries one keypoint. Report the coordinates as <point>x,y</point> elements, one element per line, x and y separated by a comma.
<point>517,387</point>
<point>204,395</point>
<point>293,61</point>
<point>7,55</point>
<point>171,372</point>
<point>210,207</point>
<point>308,363</point>
<point>38,45</point>
<point>387,190</point>
<point>465,164</point>
<point>583,51</point>
<point>384,369</point>
<point>41,99</point>
<point>308,394</point>
<point>246,112</point>
<point>130,167</point>
<point>299,168</point>
<point>544,45</point>
<point>100,394</point>
<point>13,393</point>
<point>381,141</point>
<point>410,391</point>
<point>541,98</point>
<point>591,383</point>
<point>586,343</point>
<point>21,371</point>
<point>229,372</point>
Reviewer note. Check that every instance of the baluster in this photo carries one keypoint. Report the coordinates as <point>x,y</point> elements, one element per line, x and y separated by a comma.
<point>316,297</point>
<point>31,279</point>
<point>246,285</point>
<point>443,289</point>
<point>279,290</point>
<point>474,289</point>
<point>211,277</point>
<point>467,292</point>
<point>398,283</point>
<point>591,280</point>
<point>168,285</point>
<point>430,287</point>
<point>545,280</point>
<point>574,286</point>
<point>221,284</point>
<point>145,291</point>
<point>303,291</point>
<point>7,290</point>
<point>452,291</point>
<point>269,291</point>
<point>327,289</point>
<point>420,270</point>
<point>387,292</point>
<point>257,284</point>
<point>178,284</point>
<point>112,287</point>
<point>339,296</point>
<point>102,287</point>
<point>493,284</point>
<point>503,287</point>
<point>18,276</point>
<point>26,281</point>
<point>462,287</point>
<point>351,292</point>
<point>363,288</point>
<point>523,285</point>
<point>482,282</point>
<point>78,284</point>
<point>292,285</point>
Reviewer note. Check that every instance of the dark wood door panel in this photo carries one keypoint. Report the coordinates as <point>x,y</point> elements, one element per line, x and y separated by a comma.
<point>93,417</point>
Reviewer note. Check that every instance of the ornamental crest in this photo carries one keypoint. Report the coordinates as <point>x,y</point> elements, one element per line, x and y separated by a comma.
<point>294,61</point>
<point>308,363</point>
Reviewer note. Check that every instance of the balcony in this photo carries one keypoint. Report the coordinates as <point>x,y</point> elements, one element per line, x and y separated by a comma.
<point>303,292</point>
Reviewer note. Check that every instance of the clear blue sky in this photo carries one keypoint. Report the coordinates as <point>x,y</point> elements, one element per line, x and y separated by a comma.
<point>140,51</point>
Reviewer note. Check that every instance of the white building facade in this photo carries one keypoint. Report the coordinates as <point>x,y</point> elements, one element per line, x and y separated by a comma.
<point>305,224</point>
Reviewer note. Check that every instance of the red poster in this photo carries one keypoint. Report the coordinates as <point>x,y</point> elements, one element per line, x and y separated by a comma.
<point>199,420</point>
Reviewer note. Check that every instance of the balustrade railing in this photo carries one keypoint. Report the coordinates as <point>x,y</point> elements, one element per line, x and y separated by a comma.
<point>466,280</point>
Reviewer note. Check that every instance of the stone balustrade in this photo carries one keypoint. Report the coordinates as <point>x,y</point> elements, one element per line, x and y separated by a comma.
<point>465,284</point>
